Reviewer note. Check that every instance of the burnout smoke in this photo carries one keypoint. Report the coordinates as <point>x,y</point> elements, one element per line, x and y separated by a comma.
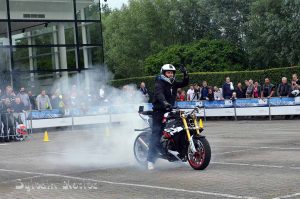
<point>101,145</point>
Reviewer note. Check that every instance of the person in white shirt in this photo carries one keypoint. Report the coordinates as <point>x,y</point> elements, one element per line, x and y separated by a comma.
<point>218,95</point>
<point>190,93</point>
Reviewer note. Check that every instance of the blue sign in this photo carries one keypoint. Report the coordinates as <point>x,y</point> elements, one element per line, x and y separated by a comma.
<point>251,102</point>
<point>284,101</point>
<point>189,105</point>
<point>45,114</point>
<point>218,104</point>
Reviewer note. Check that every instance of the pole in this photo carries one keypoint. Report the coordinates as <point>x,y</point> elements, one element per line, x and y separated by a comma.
<point>270,116</point>
<point>101,33</point>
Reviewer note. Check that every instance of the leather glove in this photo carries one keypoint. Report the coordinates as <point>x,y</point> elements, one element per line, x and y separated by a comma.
<point>167,106</point>
<point>183,69</point>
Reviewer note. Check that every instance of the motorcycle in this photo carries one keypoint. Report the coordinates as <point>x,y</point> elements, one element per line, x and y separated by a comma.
<point>181,139</point>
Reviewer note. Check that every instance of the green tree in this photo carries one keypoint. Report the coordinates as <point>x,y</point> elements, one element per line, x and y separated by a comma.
<point>145,27</point>
<point>199,56</point>
<point>229,19</point>
<point>274,36</point>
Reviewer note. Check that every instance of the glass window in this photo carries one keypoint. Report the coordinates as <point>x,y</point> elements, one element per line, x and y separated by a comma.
<point>4,59</point>
<point>3,14</point>
<point>44,58</point>
<point>4,39</point>
<point>21,59</point>
<point>88,10</point>
<point>89,33</point>
<point>90,57</point>
<point>35,82</point>
<point>50,10</point>
<point>71,58</point>
<point>42,33</point>
<point>96,55</point>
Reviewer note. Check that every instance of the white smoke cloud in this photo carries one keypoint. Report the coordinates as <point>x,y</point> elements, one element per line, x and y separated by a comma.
<point>105,145</point>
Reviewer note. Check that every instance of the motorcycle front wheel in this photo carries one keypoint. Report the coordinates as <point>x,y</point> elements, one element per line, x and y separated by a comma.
<point>141,147</point>
<point>201,158</point>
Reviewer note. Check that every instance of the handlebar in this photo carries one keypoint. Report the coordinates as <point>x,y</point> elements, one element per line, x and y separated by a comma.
<point>146,112</point>
<point>197,108</point>
<point>174,110</point>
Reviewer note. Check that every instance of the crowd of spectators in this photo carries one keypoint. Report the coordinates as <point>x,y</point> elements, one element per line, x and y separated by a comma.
<point>250,89</point>
<point>16,102</point>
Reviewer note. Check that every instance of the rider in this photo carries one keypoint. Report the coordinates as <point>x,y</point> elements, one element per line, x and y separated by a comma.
<point>164,99</point>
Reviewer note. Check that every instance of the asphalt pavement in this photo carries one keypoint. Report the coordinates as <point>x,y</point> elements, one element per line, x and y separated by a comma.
<point>250,159</point>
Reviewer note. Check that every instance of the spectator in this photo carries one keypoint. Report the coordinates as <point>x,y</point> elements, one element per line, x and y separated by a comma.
<point>7,116</point>
<point>249,89</point>
<point>102,96</point>
<point>268,89</point>
<point>178,94</point>
<point>24,98</point>
<point>295,80</point>
<point>240,92</point>
<point>144,91</point>
<point>92,98</point>
<point>190,93</point>
<point>18,106</point>
<point>57,101</point>
<point>210,94</point>
<point>204,91</point>
<point>256,90</point>
<point>43,101</point>
<point>295,86</point>
<point>32,100</point>
<point>218,95</point>
<point>284,89</point>
<point>197,94</point>
<point>73,97</point>
<point>9,93</point>
<point>234,96</point>
<point>227,89</point>
<point>182,96</point>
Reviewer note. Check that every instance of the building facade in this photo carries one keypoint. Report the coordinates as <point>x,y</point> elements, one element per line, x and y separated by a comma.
<point>45,40</point>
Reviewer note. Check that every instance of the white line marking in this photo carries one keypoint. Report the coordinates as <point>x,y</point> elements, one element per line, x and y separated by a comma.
<point>288,196</point>
<point>134,185</point>
<point>256,165</point>
<point>237,151</point>
<point>297,168</point>
<point>259,147</point>
<point>17,171</point>
<point>281,148</point>
<point>269,166</point>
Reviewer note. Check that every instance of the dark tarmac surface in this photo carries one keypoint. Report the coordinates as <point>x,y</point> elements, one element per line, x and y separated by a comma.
<point>250,159</point>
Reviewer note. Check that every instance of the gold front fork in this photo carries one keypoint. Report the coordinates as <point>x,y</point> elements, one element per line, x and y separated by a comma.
<point>188,134</point>
<point>196,124</point>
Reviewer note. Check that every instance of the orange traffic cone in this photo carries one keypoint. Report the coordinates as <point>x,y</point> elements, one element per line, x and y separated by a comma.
<point>46,139</point>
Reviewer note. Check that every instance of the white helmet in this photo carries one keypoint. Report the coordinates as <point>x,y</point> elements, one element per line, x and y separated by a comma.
<point>167,67</point>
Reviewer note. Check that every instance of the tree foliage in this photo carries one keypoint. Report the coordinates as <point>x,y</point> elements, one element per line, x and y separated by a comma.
<point>218,78</point>
<point>273,39</point>
<point>202,55</point>
<point>266,32</point>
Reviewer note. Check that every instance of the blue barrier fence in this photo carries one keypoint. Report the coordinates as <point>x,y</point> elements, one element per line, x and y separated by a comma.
<point>128,108</point>
<point>241,103</point>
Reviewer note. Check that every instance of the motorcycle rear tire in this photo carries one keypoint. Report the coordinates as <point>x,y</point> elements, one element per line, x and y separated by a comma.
<point>141,151</point>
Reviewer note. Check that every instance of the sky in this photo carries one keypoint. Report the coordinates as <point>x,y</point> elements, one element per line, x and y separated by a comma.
<point>116,3</point>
